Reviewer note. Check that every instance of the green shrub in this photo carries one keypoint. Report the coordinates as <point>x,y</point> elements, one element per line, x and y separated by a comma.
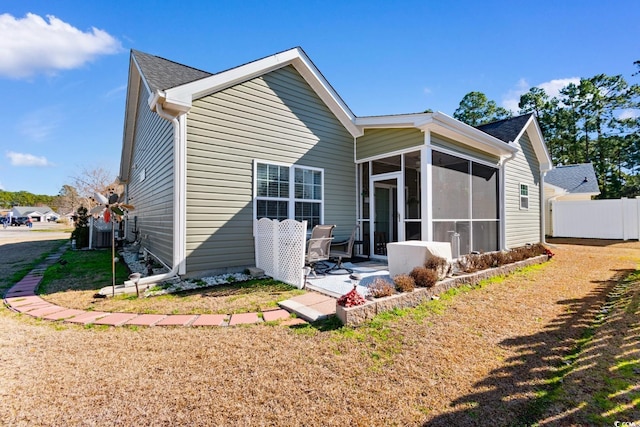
<point>404,283</point>
<point>81,232</point>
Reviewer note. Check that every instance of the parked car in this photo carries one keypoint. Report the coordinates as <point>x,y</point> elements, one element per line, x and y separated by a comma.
<point>18,221</point>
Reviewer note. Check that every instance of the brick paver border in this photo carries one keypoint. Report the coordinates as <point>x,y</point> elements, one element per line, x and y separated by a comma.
<point>22,298</point>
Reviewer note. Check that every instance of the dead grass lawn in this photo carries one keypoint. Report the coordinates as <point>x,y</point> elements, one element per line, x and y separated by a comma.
<point>481,361</point>
<point>75,284</point>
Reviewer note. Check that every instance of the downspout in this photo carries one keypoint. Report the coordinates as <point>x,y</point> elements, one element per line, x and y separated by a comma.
<point>543,207</point>
<point>503,207</point>
<point>179,209</point>
<point>358,183</point>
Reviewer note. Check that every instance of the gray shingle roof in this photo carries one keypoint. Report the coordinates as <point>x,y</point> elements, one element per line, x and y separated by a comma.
<point>163,74</point>
<point>506,130</point>
<point>27,210</point>
<point>580,178</point>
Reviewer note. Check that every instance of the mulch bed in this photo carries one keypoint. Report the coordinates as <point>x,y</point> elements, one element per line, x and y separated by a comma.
<point>483,361</point>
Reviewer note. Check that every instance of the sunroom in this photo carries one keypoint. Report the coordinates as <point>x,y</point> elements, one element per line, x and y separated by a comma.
<point>430,177</point>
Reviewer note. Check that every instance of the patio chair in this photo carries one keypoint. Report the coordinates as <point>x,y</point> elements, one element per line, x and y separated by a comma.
<point>345,253</point>
<point>318,247</point>
<point>380,242</point>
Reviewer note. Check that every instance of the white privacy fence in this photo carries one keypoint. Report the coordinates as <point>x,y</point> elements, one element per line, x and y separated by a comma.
<point>280,249</point>
<point>598,219</point>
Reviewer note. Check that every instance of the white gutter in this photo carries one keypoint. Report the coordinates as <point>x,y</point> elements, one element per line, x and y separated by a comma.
<point>179,200</point>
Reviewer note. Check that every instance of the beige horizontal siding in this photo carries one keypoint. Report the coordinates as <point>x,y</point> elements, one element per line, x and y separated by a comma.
<point>522,226</point>
<point>377,142</point>
<point>276,117</point>
<point>449,144</point>
<point>153,196</point>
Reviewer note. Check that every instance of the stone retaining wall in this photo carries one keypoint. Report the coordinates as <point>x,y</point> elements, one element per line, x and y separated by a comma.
<point>353,316</point>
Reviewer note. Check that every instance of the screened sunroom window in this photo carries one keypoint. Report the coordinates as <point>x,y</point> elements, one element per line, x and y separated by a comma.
<point>465,203</point>
<point>277,199</point>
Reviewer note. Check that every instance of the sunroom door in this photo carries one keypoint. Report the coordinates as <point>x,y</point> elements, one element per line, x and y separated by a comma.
<point>386,215</point>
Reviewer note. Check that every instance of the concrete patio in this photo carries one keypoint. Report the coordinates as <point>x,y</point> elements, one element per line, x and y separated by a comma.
<point>320,303</point>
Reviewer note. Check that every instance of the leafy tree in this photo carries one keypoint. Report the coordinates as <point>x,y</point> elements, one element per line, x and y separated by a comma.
<point>585,123</point>
<point>9,199</point>
<point>596,120</point>
<point>546,110</point>
<point>475,110</point>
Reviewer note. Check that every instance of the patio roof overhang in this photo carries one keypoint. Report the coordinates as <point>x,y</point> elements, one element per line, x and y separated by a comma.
<point>443,125</point>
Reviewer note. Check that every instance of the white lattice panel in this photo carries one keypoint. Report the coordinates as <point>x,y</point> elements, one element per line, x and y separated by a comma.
<point>265,230</point>
<point>280,249</point>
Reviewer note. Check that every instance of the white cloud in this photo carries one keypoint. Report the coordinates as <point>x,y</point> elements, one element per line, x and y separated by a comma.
<point>427,91</point>
<point>23,159</point>
<point>552,88</point>
<point>629,114</point>
<point>511,100</point>
<point>31,45</point>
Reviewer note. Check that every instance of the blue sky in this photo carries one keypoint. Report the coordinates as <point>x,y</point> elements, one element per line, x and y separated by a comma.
<point>63,64</point>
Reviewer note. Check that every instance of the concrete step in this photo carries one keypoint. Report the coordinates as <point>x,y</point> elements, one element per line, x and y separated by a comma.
<point>311,306</point>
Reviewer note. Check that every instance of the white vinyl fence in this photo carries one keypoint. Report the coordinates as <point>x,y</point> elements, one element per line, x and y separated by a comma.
<point>280,249</point>
<point>598,219</point>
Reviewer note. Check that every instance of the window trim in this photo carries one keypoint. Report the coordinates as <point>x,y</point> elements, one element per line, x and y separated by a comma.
<point>522,197</point>
<point>291,199</point>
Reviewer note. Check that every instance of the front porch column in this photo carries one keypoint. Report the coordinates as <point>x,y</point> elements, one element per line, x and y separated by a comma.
<point>426,202</point>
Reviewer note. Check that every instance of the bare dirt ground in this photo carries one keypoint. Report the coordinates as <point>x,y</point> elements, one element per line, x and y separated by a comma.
<point>480,360</point>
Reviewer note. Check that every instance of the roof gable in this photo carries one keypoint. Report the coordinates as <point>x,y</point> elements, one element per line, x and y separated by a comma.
<point>161,74</point>
<point>178,98</point>
<point>511,130</point>
<point>172,87</point>
<point>575,179</point>
<point>506,130</point>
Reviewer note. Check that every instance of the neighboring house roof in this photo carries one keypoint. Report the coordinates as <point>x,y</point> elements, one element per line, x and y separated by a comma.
<point>511,129</point>
<point>30,210</point>
<point>575,179</point>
